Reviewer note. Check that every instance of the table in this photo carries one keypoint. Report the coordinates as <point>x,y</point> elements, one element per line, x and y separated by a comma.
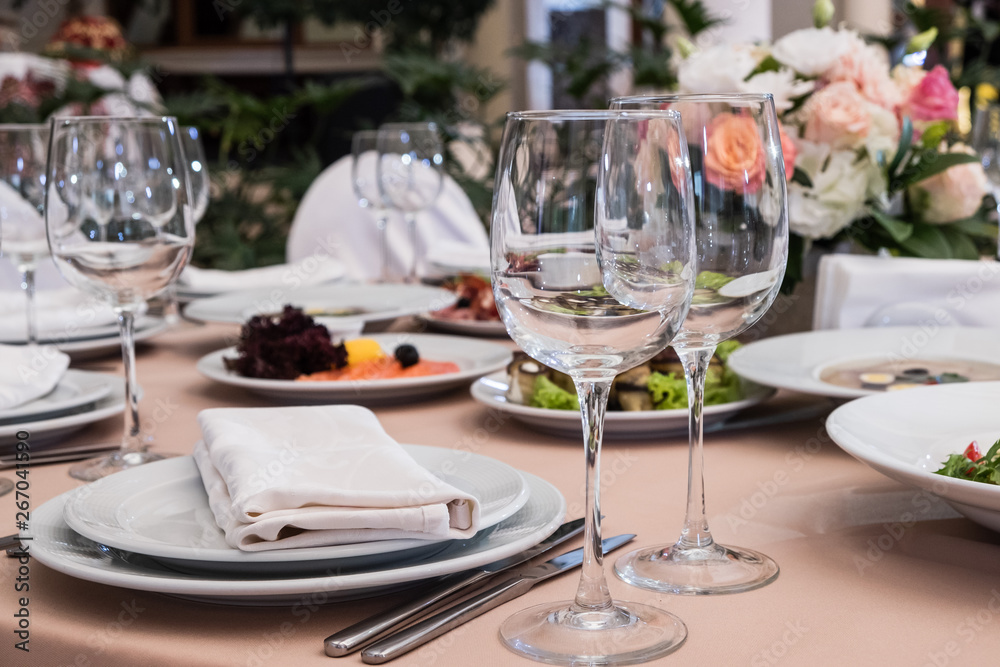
<point>872,572</point>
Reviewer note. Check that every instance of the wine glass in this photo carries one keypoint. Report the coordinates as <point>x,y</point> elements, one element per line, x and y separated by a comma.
<point>22,190</point>
<point>364,180</point>
<point>557,169</point>
<point>120,225</point>
<point>742,240</point>
<point>410,159</point>
<point>986,142</point>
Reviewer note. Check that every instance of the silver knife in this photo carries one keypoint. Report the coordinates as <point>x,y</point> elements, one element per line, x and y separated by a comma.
<point>420,633</point>
<point>358,635</point>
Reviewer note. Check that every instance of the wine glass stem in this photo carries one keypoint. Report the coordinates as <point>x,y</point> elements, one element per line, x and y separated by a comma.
<point>131,441</point>
<point>382,222</point>
<point>411,230</point>
<point>695,533</point>
<point>593,591</point>
<point>28,285</point>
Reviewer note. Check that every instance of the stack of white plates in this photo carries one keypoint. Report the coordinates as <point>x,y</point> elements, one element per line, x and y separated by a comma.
<point>150,528</point>
<point>96,340</point>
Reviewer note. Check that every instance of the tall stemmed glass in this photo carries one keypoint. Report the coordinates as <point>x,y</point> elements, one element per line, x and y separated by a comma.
<point>986,142</point>
<point>22,191</point>
<point>364,180</point>
<point>118,214</point>
<point>410,178</point>
<point>547,282</point>
<point>742,238</point>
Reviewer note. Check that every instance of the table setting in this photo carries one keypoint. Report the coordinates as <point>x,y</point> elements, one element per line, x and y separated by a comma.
<point>305,474</point>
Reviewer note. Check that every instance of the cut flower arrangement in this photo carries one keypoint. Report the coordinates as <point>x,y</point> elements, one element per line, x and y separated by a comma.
<point>871,152</point>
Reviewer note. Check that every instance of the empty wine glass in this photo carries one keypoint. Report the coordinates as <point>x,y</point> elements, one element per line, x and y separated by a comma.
<point>120,225</point>
<point>364,180</point>
<point>555,167</point>
<point>742,240</point>
<point>986,142</point>
<point>22,191</point>
<point>410,159</point>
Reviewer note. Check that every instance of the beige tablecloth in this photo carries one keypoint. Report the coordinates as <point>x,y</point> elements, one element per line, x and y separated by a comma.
<point>871,574</point>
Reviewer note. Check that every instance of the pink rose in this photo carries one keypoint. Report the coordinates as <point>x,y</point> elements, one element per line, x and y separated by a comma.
<point>788,151</point>
<point>867,67</point>
<point>934,98</point>
<point>953,194</point>
<point>837,115</point>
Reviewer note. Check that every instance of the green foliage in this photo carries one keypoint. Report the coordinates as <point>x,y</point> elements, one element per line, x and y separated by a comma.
<point>695,16</point>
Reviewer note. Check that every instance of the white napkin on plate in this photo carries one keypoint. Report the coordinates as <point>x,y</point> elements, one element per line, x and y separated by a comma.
<point>286,477</point>
<point>862,290</point>
<point>308,271</point>
<point>63,313</point>
<point>27,373</point>
<point>449,257</point>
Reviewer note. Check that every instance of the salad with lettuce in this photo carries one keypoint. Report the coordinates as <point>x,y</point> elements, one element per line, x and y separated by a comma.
<point>973,465</point>
<point>656,385</point>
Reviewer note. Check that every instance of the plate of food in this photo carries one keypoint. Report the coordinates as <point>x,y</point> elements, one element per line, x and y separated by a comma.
<point>293,358</point>
<point>942,439</point>
<point>647,401</point>
<point>850,363</point>
<point>474,313</point>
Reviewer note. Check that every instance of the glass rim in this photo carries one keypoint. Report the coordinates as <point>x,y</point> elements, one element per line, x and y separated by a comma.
<point>593,114</point>
<point>8,127</point>
<point>695,97</point>
<point>66,120</point>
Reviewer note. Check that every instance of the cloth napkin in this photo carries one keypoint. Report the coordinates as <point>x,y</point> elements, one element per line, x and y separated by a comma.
<point>279,478</point>
<point>308,271</point>
<point>61,313</point>
<point>861,290</point>
<point>28,373</point>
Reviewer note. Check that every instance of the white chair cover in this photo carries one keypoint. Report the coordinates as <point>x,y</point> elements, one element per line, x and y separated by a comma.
<point>330,221</point>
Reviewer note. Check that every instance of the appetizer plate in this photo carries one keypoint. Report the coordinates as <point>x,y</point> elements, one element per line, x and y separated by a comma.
<point>801,361</point>
<point>161,510</point>
<point>474,358</point>
<point>56,545</point>
<point>343,305</point>
<point>47,430</point>
<point>488,328</point>
<point>491,391</point>
<point>74,389</point>
<point>907,435</point>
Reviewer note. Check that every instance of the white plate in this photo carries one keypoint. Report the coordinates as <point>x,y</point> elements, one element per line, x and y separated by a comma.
<point>51,429</point>
<point>907,435</point>
<point>74,389</point>
<point>796,361</point>
<point>380,302</point>
<point>161,510</point>
<point>85,348</point>
<point>491,328</point>
<point>492,389</point>
<point>474,358</point>
<point>56,545</point>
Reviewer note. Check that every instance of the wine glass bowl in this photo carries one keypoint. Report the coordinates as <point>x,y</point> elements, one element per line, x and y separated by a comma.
<point>558,172</point>
<point>364,182</point>
<point>120,225</point>
<point>742,248</point>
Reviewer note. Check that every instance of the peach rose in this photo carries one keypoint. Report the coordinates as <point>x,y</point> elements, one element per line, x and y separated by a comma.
<point>953,194</point>
<point>734,155</point>
<point>934,98</point>
<point>788,151</point>
<point>868,69</point>
<point>837,115</point>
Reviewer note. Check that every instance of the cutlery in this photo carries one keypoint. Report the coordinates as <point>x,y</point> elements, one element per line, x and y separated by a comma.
<point>358,635</point>
<point>59,455</point>
<point>514,586</point>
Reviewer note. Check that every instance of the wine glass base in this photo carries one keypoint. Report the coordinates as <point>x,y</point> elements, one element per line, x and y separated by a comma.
<point>102,466</point>
<point>715,570</point>
<point>627,634</point>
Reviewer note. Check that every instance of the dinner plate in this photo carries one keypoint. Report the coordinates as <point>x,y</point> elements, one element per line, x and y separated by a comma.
<point>907,435</point>
<point>48,430</point>
<point>109,342</point>
<point>58,546</point>
<point>492,392</point>
<point>74,389</point>
<point>474,358</point>
<point>161,510</point>
<point>489,328</point>
<point>376,303</point>
<point>800,361</point>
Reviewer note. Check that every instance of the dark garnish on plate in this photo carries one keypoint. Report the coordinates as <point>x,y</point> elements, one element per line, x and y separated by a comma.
<point>407,355</point>
<point>283,347</point>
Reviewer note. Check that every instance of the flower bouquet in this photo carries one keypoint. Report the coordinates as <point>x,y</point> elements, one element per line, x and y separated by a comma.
<point>871,152</point>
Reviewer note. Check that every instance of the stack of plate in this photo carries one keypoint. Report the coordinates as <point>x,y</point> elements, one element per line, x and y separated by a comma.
<point>150,528</point>
<point>92,341</point>
<point>80,398</point>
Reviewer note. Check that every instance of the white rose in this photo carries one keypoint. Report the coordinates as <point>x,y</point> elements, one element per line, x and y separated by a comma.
<point>837,195</point>
<point>717,69</point>
<point>814,50</point>
<point>953,194</point>
<point>782,84</point>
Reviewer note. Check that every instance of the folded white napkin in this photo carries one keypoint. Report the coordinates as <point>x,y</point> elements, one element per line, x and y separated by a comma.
<point>862,290</point>
<point>279,478</point>
<point>27,373</point>
<point>449,256</point>
<point>61,313</point>
<point>309,271</point>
